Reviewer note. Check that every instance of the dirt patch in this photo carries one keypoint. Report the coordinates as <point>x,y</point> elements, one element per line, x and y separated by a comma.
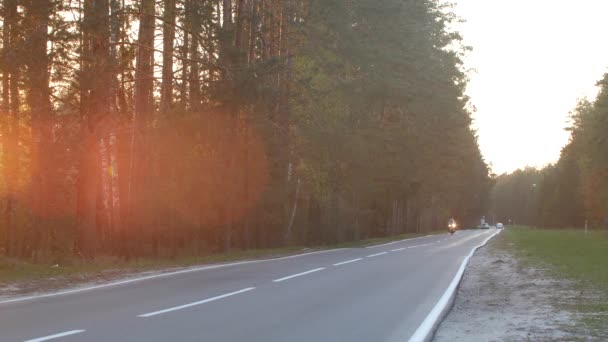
<point>501,299</point>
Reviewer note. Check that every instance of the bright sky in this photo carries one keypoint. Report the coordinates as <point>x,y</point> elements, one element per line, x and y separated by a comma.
<point>533,59</point>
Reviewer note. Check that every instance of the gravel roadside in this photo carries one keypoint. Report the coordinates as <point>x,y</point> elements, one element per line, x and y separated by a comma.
<point>501,299</point>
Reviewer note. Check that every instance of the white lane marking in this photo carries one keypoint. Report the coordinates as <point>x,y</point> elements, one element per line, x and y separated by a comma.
<point>162,275</point>
<point>375,255</point>
<point>463,239</point>
<point>160,312</point>
<point>426,328</point>
<point>50,337</point>
<point>404,248</point>
<point>390,243</point>
<point>348,262</point>
<point>428,244</point>
<point>299,274</point>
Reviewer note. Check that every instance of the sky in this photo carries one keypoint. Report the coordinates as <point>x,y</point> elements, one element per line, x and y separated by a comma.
<point>531,61</point>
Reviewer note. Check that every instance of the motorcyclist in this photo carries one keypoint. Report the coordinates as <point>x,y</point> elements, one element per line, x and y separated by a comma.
<point>452,225</point>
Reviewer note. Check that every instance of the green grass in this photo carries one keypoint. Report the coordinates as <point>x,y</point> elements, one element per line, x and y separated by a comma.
<point>13,270</point>
<point>572,255</point>
<point>568,252</point>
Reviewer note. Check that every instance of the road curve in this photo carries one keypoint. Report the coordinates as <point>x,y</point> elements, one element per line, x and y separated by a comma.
<point>355,294</point>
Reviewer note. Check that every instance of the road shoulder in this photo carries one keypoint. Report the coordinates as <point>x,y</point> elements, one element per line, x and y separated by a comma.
<point>503,299</point>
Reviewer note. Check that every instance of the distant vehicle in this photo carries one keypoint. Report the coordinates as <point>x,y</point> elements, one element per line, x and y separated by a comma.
<point>485,226</point>
<point>452,226</point>
<point>499,226</point>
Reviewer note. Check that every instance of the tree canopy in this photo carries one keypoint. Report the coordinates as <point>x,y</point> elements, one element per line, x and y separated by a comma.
<point>160,128</point>
<point>573,190</point>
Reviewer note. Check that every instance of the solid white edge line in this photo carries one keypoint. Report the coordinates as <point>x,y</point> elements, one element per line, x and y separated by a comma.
<point>299,274</point>
<point>394,242</point>
<point>162,275</point>
<point>185,306</point>
<point>375,255</point>
<point>347,262</point>
<point>51,337</point>
<point>427,328</point>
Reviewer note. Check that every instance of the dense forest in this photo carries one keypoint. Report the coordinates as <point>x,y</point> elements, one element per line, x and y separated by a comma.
<point>190,127</point>
<point>572,191</point>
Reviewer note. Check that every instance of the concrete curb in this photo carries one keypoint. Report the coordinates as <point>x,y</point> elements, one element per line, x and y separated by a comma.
<point>427,328</point>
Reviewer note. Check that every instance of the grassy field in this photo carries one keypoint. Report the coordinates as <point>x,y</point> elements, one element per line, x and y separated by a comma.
<point>572,255</point>
<point>12,270</point>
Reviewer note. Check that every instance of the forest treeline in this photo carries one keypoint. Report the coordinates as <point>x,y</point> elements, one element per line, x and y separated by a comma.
<point>572,191</point>
<point>163,128</point>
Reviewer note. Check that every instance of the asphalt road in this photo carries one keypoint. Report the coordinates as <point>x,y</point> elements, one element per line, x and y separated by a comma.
<point>356,294</point>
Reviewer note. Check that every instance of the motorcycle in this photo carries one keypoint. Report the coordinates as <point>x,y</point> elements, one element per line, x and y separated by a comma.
<point>452,227</point>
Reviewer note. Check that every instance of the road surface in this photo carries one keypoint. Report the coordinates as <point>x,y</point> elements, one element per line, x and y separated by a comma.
<point>381,293</point>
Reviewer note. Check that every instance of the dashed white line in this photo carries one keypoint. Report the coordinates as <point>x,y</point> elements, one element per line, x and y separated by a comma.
<point>399,249</point>
<point>428,244</point>
<point>375,255</point>
<point>348,262</point>
<point>51,337</point>
<point>394,242</point>
<point>162,275</point>
<point>299,274</point>
<point>160,312</point>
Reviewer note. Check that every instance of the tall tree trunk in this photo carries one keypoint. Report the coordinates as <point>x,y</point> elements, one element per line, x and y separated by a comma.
<point>95,107</point>
<point>115,192</point>
<point>38,97</point>
<point>230,109</point>
<point>144,107</point>
<point>144,73</point>
<point>166,92</point>
<point>357,227</point>
<point>253,20</point>
<point>11,103</point>
<point>195,30</point>
<point>227,14</point>
<point>116,18</point>
<point>289,231</point>
<point>240,24</point>
<point>280,47</point>
<point>267,29</point>
<point>185,50</point>
<point>5,235</point>
<point>110,183</point>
